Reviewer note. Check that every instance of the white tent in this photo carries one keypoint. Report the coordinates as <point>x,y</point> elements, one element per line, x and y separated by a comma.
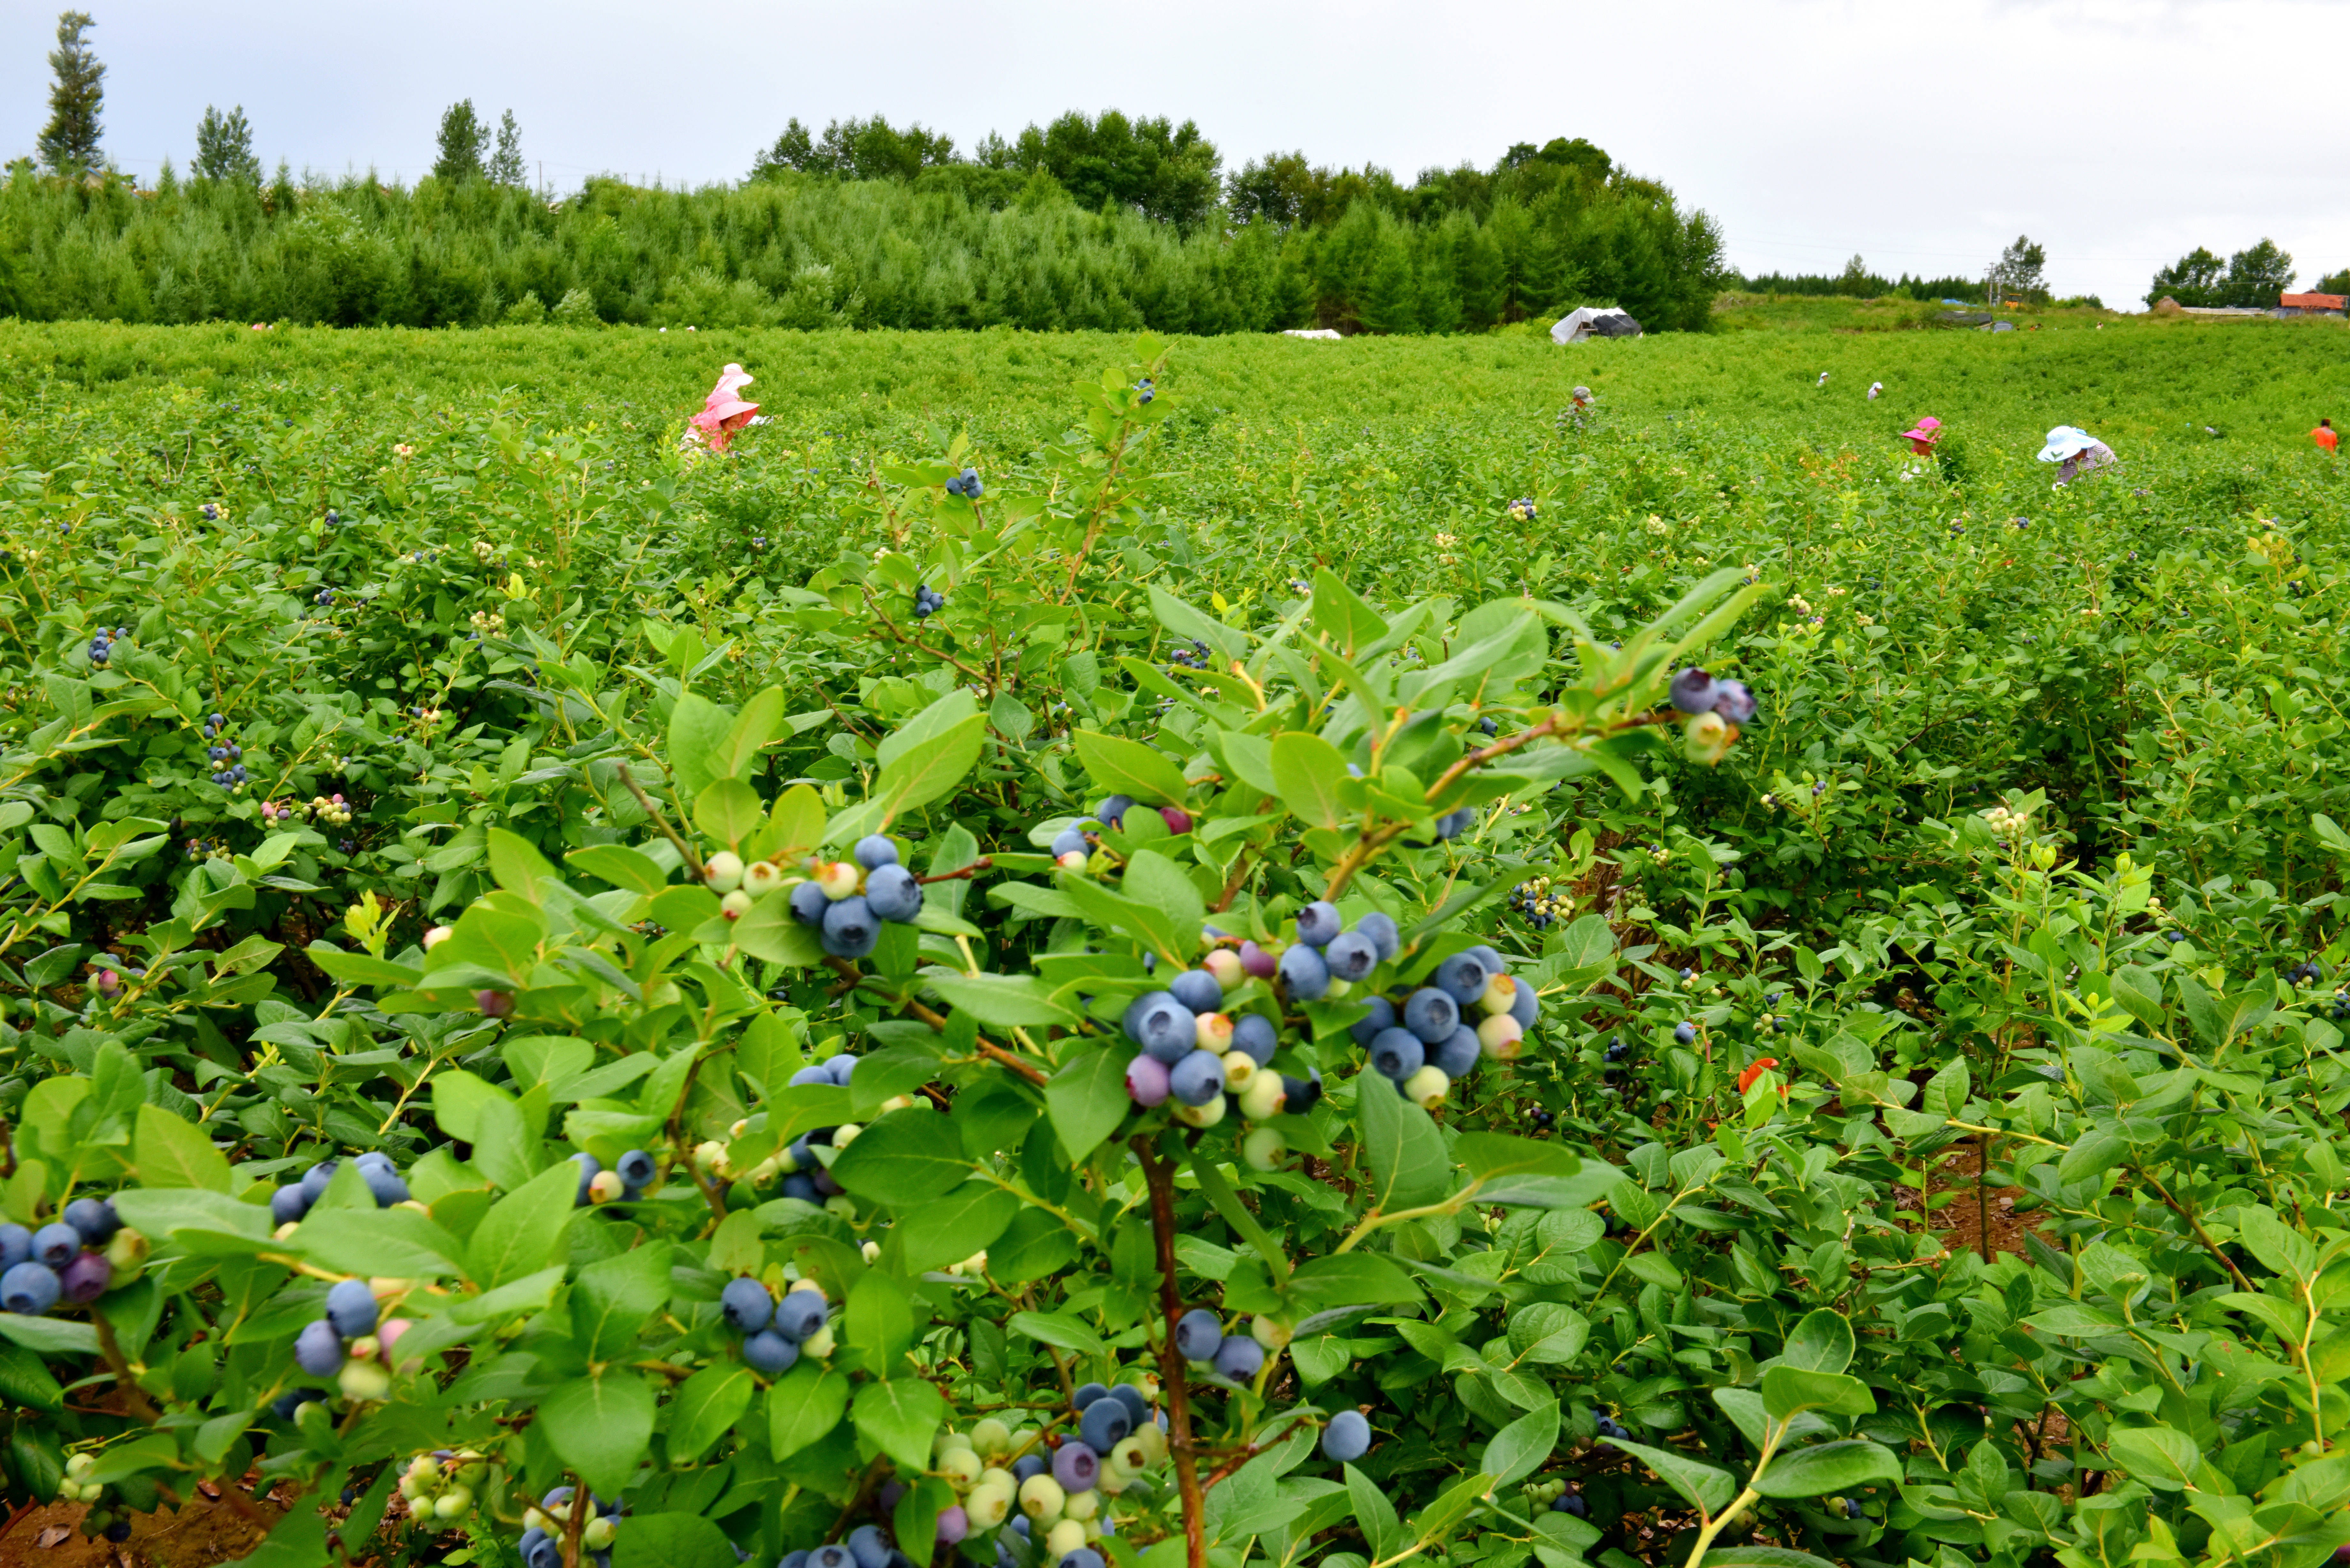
<point>1594,322</point>
<point>1310,332</point>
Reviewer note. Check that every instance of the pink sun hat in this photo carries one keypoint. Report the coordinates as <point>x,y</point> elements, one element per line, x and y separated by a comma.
<point>1925,430</point>
<point>730,378</point>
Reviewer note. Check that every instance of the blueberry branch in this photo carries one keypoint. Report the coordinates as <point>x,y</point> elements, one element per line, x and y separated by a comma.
<point>693,860</point>
<point>1158,1176</point>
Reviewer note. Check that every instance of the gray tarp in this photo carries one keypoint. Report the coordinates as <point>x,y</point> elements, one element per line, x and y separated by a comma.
<point>1602,321</point>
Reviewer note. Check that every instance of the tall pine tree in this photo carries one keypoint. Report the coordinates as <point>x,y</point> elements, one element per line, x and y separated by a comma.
<point>506,163</point>
<point>69,143</point>
<point>225,147</point>
<point>464,137</point>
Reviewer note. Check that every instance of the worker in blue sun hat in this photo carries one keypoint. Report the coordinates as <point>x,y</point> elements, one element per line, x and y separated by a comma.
<point>2078,452</point>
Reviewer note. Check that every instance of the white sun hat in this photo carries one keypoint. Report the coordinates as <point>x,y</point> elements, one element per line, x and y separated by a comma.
<point>2066,441</point>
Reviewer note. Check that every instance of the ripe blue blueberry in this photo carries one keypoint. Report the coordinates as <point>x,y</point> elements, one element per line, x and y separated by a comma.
<point>93,1218</point>
<point>1432,1014</point>
<point>1462,976</point>
<point>745,1305</point>
<point>1382,1016</point>
<point>1105,1424</point>
<point>1025,1465</point>
<point>1239,1357</point>
<point>831,1556</point>
<point>1254,1036</point>
<point>869,1546</point>
<point>1524,1005</point>
<point>800,1187</point>
<point>1197,990</point>
<point>29,1289</point>
<point>892,893</point>
<point>1350,956</point>
<point>1685,1033</point>
<point>385,1185</point>
<point>1318,922</point>
<point>800,1315</point>
<point>808,903</point>
<point>55,1245</point>
<point>318,1349</point>
<point>1162,1026</point>
<point>875,850</point>
<point>1572,1504</point>
<point>1112,812</point>
<point>1083,1557</point>
<point>1397,1054</point>
<point>635,1168</point>
<point>1303,973</point>
<point>843,1067</point>
<point>287,1205</point>
<point>1082,1400</point>
<point>350,1308</point>
<point>1076,1466</point>
<point>1070,841</point>
<point>1733,702</point>
<point>850,928</point>
<point>1198,1078</point>
<point>769,1353</point>
<point>315,1179</point>
<point>1137,1408</point>
<point>1693,691</point>
<point>1380,930</point>
<point>1347,1437</point>
<point>1457,1053</point>
<point>589,1169</point>
<point>16,1245</point>
<point>1198,1333</point>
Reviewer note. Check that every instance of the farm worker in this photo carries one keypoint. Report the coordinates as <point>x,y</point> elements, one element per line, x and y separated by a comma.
<point>723,411</point>
<point>2078,452</point>
<point>1874,388</point>
<point>1582,396</point>
<point>1922,436</point>
<point>2323,435</point>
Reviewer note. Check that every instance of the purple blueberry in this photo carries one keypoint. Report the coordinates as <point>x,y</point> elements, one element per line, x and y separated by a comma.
<point>1693,691</point>
<point>86,1279</point>
<point>1076,1466</point>
<point>1146,1081</point>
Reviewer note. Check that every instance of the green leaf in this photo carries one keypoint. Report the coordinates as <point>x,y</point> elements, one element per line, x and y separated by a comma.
<point>1129,768</point>
<point>1308,774</point>
<point>1341,616</point>
<point>900,1417</point>
<point>1000,1001</point>
<point>1821,1343</point>
<point>1057,1330</point>
<point>1708,1486</point>
<point>1353,1279</point>
<point>770,931</point>
<point>697,732</point>
<point>805,1404</point>
<point>1523,1446</point>
<point>1401,1146</point>
<point>950,1229</point>
<point>906,1157</point>
<point>612,1298</point>
<point>2076,1320</point>
<point>619,866</point>
<point>942,717</point>
<point>1153,880</point>
<point>1184,621</point>
<point>707,1403</point>
<point>1828,1467</point>
<point>1788,1389</point>
<point>1763,1557</point>
<point>173,1152</point>
<point>600,1426</point>
<point>729,811</point>
<point>49,1335</point>
<point>522,1230</point>
<point>671,1540</point>
<point>737,756</point>
<point>399,1243</point>
<point>1375,1516</point>
<point>26,1383</point>
<point>1086,1099</point>
<point>2163,1458</point>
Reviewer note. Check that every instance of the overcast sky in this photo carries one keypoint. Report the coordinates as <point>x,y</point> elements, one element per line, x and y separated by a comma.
<point>1922,136</point>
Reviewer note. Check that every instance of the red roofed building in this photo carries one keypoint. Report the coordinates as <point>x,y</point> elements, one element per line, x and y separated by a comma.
<point>2312,303</point>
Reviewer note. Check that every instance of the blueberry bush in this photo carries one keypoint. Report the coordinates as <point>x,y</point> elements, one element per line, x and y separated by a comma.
<point>574,999</point>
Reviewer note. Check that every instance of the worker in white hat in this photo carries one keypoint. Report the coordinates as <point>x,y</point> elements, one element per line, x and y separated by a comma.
<point>2078,452</point>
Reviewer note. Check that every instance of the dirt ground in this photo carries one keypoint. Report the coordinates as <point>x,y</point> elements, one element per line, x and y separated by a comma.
<point>1960,1222</point>
<point>205,1530</point>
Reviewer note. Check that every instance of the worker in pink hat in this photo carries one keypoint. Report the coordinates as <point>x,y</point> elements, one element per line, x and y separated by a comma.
<point>725,412</point>
<point>1922,436</point>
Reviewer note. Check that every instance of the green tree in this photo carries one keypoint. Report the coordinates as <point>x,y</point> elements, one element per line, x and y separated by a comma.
<point>2194,278</point>
<point>1155,167</point>
<point>2257,275</point>
<point>463,139</point>
<point>506,163</point>
<point>69,142</point>
<point>2334,282</point>
<point>225,147</point>
<point>2021,269</point>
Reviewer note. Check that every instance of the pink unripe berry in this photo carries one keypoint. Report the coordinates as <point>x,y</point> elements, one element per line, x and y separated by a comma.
<point>1257,962</point>
<point>495,1003</point>
<point>1146,1082</point>
<point>1178,820</point>
<point>109,983</point>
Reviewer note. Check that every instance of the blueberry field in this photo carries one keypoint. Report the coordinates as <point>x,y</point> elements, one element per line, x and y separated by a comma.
<point>1083,953</point>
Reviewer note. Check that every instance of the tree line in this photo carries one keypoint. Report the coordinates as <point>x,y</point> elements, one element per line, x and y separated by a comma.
<point>1091,221</point>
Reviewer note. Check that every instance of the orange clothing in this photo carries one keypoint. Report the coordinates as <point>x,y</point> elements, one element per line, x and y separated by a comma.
<point>2324,437</point>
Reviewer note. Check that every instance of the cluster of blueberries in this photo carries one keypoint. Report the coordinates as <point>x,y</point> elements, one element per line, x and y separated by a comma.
<point>74,1488</point>
<point>230,773</point>
<point>1144,390</point>
<point>439,1487</point>
<point>804,1175</point>
<point>1695,691</point>
<point>625,1182</point>
<point>966,484</point>
<point>928,601</point>
<point>1195,657</point>
<point>1541,908</point>
<point>101,644</point>
<point>1423,1040</point>
<point>774,1334</point>
<point>546,1525</point>
<point>76,1258</point>
<point>212,514</point>
<point>1073,846</point>
<point>1554,1495</point>
<point>845,901</point>
<point>1523,509</point>
<point>289,1204</point>
<point>2303,974</point>
<point>1208,1062</point>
